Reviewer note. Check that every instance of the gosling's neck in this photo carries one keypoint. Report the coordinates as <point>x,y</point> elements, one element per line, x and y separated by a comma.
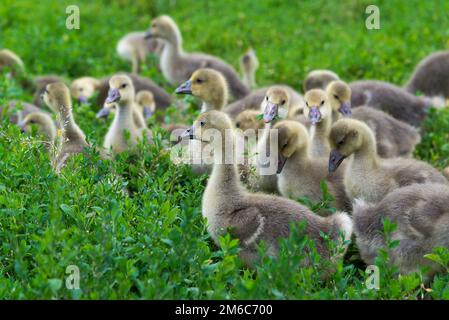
<point>249,77</point>
<point>172,50</point>
<point>301,158</point>
<point>366,157</point>
<point>319,134</point>
<point>224,173</point>
<point>124,115</point>
<point>217,102</point>
<point>70,130</point>
<point>323,128</point>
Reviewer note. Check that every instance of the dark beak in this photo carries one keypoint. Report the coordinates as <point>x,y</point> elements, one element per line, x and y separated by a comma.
<point>148,34</point>
<point>270,113</point>
<point>188,133</point>
<point>103,113</point>
<point>82,99</point>
<point>185,88</point>
<point>21,126</point>
<point>281,162</point>
<point>345,109</point>
<point>335,160</point>
<point>147,113</point>
<point>314,115</point>
<point>113,96</point>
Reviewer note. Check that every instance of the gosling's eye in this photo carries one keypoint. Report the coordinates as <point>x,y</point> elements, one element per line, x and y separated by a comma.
<point>285,145</point>
<point>283,102</point>
<point>237,124</point>
<point>32,121</point>
<point>123,86</point>
<point>266,98</point>
<point>199,80</point>
<point>341,142</point>
<point>307,104</point>
<point>322,102</point>
<point>202,123</point>
<point>335,96</point>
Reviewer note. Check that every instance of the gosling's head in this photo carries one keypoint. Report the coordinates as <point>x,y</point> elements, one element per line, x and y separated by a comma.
<point>248,119</point>
<point>206,84</point>
<point>292,136</point>
<point>121,90</point>
<point>10,59</point>
<point>83,88</point>
<point>57,97</point>
<point>145,100</point>
<point>207,124</point>
<point>43,122</point>
<point>249,61</point>
<point>316,106</point>
<point>165,28</point>
<point>319,79</point>
<point>339,95</point>
<point>347,136</point>
<point>275,104</point>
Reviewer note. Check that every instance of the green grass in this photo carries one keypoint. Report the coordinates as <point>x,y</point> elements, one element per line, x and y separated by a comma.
<point>155,244</point>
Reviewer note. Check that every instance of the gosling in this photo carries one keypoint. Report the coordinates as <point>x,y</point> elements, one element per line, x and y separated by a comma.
<point>57,97</point>
<point>45,125</point>
<point>177,66</point>
<point>135,48</point>
<point>254,217</point>
<point>319,79</point>
<point>300,175</point>
<point>393,100</point>
<point>422,218</point>
<point>84,88</point>
<point>319,112</point>
<point>394,138</point>
<point>209,86</point>
<point>122,94</point>
<point>367,176</point>
<point>254,99</point>
<point>431,76</point>
<point>249,65</point>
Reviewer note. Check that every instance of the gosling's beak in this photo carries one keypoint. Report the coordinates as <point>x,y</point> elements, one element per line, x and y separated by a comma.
<point>148,34</point>
<point>314,115</point>
<point>21,125</point>
<point>185,88</point>
<point>271,111</point>
<point>82,99</point>
<point>281,162</point>
<point>345,109</point>
<point>335,160</point>
<point>103,113</point>
<point>147,113</point>
<point>113,95</point>
<point>188,133</point>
